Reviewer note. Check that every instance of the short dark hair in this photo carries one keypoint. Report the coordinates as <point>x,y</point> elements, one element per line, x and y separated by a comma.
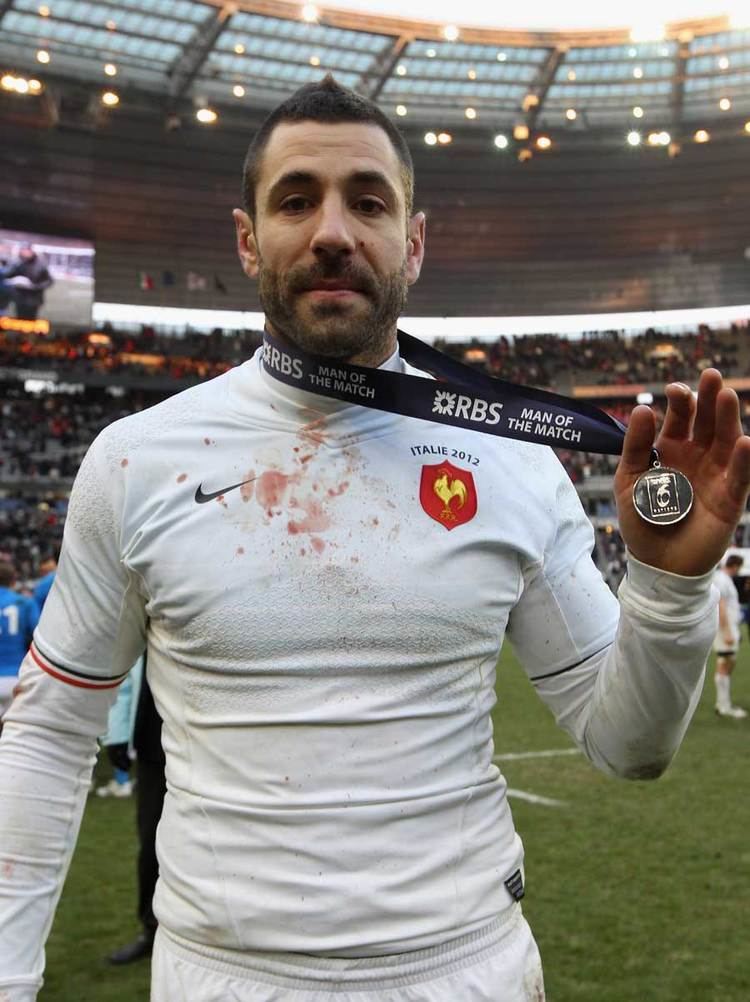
<point>7,574</point>
<point>324,101</point>
<point>734,560</point>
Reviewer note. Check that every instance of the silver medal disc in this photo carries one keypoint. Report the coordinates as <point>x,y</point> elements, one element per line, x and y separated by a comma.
<point>662,496</point>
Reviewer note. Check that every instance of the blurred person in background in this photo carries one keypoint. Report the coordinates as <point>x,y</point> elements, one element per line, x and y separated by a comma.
<point>150,790</point>
<point>118,741</point>
<point>727,641</point>
<point>19,615</point>
<point>321,651</point>
<point>46,571</point>
<point>24,281</point>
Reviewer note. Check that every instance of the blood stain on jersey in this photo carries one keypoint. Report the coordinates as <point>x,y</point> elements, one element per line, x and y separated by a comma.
<point>247,489</point>
<point>448,494</point>
<point>316,519</point>
<point>271,488</point>
<point>311,432</point>
<point>337,491</point>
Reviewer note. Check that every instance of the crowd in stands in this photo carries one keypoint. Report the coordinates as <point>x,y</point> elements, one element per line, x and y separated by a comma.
<point>605,359</point>
<point>44,434</point>
<point>186,358</point>
<point>31,529</point>
<point>546,360</point>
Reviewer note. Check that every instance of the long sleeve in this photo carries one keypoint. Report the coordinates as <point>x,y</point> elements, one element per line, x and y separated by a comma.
<point>623,679</point>
<point>47,752</point>
<point>90,633</point>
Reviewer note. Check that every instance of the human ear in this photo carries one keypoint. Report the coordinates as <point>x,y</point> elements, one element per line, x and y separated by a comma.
<point>415,247</point>
<point>247,247</point>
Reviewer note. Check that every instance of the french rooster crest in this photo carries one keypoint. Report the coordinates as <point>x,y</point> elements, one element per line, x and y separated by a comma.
<point>447,489</point>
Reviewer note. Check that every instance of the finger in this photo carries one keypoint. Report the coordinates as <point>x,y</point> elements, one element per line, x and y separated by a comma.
<point>705,419</point>
<point>728,427</point>
<point>678,421</point>
<point>738,473</point>
<point>639,441</point>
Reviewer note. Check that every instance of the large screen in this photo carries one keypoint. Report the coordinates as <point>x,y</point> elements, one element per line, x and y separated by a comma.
<point>46,277</point>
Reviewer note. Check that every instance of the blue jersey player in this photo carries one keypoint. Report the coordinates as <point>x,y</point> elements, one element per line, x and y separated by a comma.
<point>18,618</point>
<point>47,570</point>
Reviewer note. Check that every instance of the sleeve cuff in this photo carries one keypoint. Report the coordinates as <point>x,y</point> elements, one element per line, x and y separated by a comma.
<point>661,595</point>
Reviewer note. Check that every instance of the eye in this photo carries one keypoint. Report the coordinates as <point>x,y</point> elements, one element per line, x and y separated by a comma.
<point>370,206</point>
<point>296,203</point>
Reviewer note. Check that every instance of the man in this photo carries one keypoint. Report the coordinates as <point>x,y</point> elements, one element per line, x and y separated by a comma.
<point>19,615</point>
<point>118,740</point>
<point>323,607</point>
<point>47,569</point>
<point>150,791</point>
<point>727,640</point>
<point>24,281</point>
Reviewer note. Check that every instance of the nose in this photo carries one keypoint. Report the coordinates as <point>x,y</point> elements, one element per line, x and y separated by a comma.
<point>333,233</point>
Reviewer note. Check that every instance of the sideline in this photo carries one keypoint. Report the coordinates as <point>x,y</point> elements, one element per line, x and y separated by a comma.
<point>534,798</point>
<point>548,753</point>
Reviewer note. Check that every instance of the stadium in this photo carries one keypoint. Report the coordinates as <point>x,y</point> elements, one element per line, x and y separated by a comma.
<point>585,178</point>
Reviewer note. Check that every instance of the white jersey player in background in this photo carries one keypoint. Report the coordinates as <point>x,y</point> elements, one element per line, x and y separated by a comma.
<point>727,641</point>
<point>322,639</point>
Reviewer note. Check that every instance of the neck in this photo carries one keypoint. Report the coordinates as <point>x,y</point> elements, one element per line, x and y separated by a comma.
<point>370,357</point>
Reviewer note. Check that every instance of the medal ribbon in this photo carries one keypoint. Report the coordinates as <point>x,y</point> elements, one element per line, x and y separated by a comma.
<point>459,396</point>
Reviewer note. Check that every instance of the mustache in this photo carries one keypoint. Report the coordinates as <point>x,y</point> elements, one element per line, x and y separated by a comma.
<point>305,279</point>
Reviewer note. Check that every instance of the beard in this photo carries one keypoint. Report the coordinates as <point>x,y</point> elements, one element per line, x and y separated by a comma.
<point>364,329</point>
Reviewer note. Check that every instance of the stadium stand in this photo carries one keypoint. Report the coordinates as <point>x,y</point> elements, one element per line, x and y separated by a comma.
<point>47,424</point>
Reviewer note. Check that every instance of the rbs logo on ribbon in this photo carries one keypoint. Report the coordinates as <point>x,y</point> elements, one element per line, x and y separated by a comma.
<point>275,359</point>
<point>468,408</point>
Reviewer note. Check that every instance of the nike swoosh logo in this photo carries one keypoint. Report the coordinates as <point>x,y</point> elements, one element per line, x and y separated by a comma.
<point>202,498</point>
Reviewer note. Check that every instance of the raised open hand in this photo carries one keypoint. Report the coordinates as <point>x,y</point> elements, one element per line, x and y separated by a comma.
<point>704,441</point>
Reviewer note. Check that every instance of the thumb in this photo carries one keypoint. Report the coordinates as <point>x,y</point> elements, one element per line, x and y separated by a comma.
<point>639,441</point>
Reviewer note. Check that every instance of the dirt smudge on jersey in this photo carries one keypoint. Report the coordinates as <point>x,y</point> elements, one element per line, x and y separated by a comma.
<point>182,478</point>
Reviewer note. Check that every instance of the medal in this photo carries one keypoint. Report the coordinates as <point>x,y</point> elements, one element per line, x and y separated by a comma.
<point>661,495</point>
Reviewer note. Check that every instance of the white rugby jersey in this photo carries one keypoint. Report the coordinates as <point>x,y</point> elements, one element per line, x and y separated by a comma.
<point>324,590</point>
<point>728,593</point>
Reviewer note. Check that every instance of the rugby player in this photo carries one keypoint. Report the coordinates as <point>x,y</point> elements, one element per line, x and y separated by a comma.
<point>323,589</point>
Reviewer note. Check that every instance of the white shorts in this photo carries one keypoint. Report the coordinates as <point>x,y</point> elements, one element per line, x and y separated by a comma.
<point>499,963</point>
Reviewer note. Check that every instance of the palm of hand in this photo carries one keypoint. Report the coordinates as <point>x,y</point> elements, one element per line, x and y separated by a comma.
<point>709,448</point>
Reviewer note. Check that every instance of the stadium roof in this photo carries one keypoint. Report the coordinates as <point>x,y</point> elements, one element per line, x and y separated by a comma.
<point>551,15</point>
<point>231,56</point>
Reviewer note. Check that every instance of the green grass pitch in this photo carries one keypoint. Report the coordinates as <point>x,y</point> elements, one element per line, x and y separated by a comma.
<point>637,892</point>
